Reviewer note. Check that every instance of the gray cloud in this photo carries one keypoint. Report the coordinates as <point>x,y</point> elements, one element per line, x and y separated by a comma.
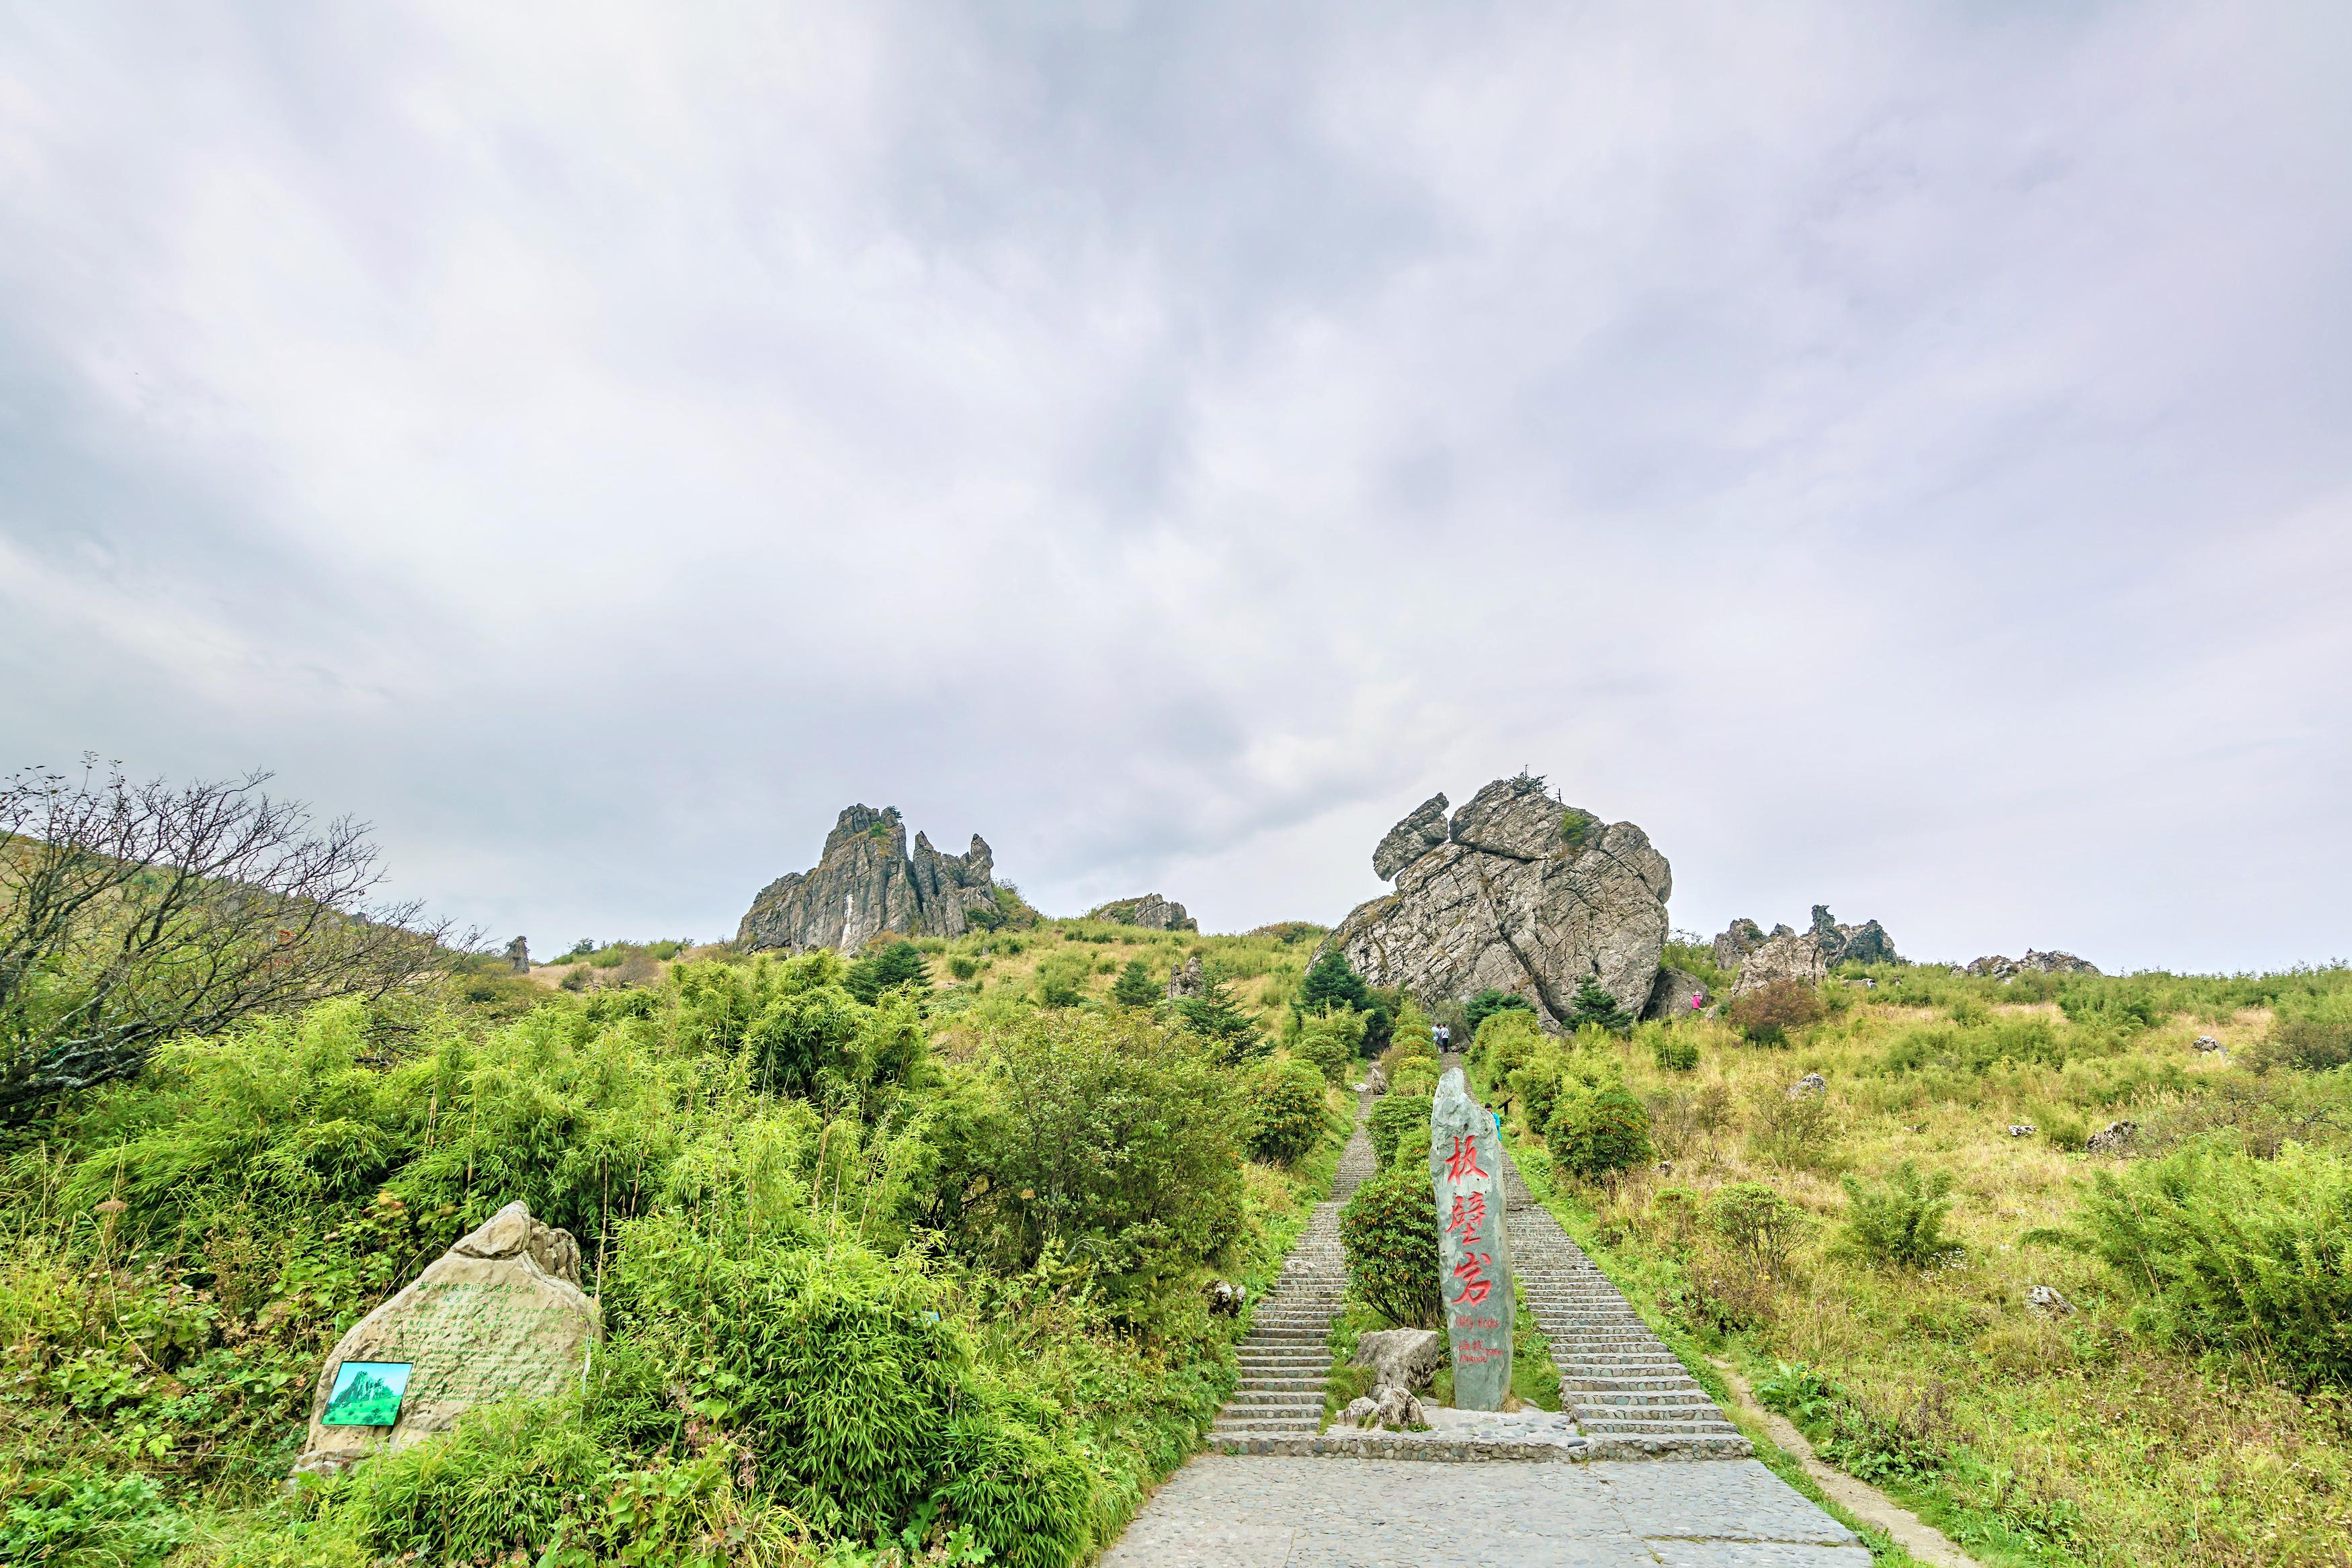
<point>1901,458</point>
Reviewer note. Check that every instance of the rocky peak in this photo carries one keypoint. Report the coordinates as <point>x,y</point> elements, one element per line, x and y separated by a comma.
<point>866,882</point>
<point>1423,829</point>
<point>1148,910</point>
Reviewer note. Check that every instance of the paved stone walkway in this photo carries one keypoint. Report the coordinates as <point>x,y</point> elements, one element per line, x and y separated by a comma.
<point>1247,1512</point>
<point>1285,1357</point>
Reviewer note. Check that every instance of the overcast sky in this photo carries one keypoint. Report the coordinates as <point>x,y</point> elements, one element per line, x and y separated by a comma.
<point>1900,456</point>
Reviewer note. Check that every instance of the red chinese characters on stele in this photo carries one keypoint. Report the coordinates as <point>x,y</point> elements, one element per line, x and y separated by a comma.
<point>1463,1163</point>
<point>1471,1273</point>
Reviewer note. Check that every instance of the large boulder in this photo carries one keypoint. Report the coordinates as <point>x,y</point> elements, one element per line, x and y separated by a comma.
<point>1525,893</point>
<point>1995,967</point>
<point>866,882</point>
<point>1677,994</point>
<point>1149,911</point>
<point>499,1315</point>
<point>1400,1358</point>
<point>1789,958</point>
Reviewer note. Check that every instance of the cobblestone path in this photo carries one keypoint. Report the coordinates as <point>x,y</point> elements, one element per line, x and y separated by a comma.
<point>1285,1357</point>
<point>1230,1511</point>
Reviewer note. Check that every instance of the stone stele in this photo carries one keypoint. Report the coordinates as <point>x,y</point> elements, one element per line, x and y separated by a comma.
<point>1474,1253</point>
<point>500,1313</point>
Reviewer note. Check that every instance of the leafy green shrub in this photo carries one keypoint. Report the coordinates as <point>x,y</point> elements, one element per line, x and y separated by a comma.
<point>1901,1223</point>
<point>1675,1052</point>
<point>1754,1218</point>
<point>1487,1003</point>
<point>1597,1134</point>
<point>1536,1086</point>
<point>2315,1041</point>
<point>893,964</point>
<point>1799,1131</point>
<point>1097,1133</point>
<point>1768,1013</point>
<point>1912,1445</point>
<point>1287,1112</point>
<point>575,979</point>
<point>1398,1127</point>
<point>962,965</point>
<point>1028,1500</point>
<point>1416,1076</point>
<point>1389,1231</point>
<point>1218,1019</point>
<point>1506,1039</point>
<point>1595,1008</point>
<point>2249,1254</point>
<point>1333,1041</point>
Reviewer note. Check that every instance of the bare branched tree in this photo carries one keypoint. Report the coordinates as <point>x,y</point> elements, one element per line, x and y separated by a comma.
<point>130,913</point>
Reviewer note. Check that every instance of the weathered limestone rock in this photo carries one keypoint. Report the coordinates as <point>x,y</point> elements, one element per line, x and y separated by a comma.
<point>1789,958</point>
<point>500,1313</point>
<point>1526,895</point>
<point>2022,1129</point>
<point>1864,944</point>
<point>1396,1409</point>
<point>2047,1298</point>
<point>1224,1298</point>
<point>518,956</point>
<point>1423,829</point>
<point>1151,911</point>
<point>2115,1140</point>
<point>1185,979</point>
<point>2206,1044</point>
<point>1995,967</point>
<point>1474,1251</point>
<point>1738,939</point>
<point>865,882</point>
<point>1807,1087</point>
<point>1677,995</point>
<point>1400,1358</point>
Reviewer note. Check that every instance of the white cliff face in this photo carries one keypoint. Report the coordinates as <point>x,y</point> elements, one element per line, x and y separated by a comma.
<point>867,882</point>
<point>1520,893</point>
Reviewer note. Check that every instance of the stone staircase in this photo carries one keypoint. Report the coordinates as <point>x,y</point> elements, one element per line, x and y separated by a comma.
<point>1285,1357</point>
<point>1629,1393</point>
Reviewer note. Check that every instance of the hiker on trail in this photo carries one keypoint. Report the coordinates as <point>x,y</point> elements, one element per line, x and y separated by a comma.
<point>1443,1036</point>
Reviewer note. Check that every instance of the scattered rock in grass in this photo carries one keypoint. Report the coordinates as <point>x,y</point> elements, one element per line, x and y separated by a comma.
<point>2206,1042</point>
<point>1400,1358</point>
<point>1809,1084</point>
<point>2112,1141</point>
<point>2022,1129</point>
<point>1397,1409</point>
<point>1224,1298</point>
<point>1995,967</point>
<point>2046,1299</point>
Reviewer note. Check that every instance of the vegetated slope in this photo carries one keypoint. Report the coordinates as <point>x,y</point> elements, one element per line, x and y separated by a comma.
<point>1870,1248</point>
<point>899,1252</point>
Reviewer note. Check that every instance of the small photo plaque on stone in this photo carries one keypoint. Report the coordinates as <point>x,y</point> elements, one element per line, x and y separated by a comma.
<point>367,1394</point>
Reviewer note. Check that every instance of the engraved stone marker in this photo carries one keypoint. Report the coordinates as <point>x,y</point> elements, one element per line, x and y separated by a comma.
<point>1474,1253</point>
<point>500,1313</point>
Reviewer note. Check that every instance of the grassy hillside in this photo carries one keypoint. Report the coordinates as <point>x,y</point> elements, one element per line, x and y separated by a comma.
<point>2185,1404</point>
<point>971,1216</point>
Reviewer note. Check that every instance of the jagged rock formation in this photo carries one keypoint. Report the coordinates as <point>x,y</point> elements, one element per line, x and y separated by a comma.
<point>1151,912</point>
<point>2000,968</point>
<point>1867,943</point>
<point>864,883</point>
<point>1789,958</point>
<point>499,1315</point>
<point>1185,980</point>
<point>1521,893</point>
<point>1832,944</point>
<point>1739,939</point>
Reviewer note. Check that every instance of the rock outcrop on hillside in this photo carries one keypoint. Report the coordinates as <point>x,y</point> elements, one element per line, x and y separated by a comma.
<point>2000,968</point>
<point>866,882</point>
<point>1832,943</point>
<point>1519,892</point>
<point>1151,911</point>
<point>1798,956</point>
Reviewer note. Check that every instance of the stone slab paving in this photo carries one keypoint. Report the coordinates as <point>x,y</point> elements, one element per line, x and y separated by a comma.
<point>1247,1512</point>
